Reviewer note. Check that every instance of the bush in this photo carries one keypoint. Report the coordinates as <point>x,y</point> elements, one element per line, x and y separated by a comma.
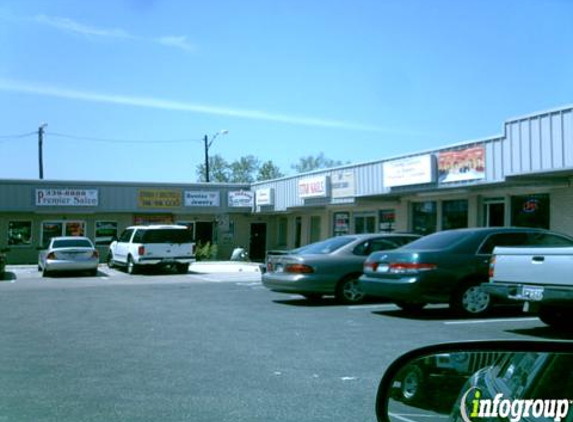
<point>206,252</point>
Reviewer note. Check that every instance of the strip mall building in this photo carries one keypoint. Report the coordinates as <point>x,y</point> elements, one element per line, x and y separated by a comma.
<point>520,178</point>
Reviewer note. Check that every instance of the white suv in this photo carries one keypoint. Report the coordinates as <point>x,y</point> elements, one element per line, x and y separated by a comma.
<point>144,246</point>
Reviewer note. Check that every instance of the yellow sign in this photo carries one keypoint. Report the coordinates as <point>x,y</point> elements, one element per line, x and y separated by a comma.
<point>159,198</point>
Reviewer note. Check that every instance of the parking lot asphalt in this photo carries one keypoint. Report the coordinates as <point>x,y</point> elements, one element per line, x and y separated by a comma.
<point>206,347</point>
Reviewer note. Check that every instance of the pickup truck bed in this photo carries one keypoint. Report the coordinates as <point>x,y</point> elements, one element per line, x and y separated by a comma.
<point>541,278</point>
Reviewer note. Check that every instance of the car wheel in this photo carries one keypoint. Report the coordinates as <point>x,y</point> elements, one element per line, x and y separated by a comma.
<point>471,300</point>
<point>132,267</point>
<point>556,317</point>
<point>182,268</point>
<point>93,272</point>
<point>411,307</point>
<point>413,384</point>
<point>110,260</point>
<point>349,291</point>
<point>45,272</point>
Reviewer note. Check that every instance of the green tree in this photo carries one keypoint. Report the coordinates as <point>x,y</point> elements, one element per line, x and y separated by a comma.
<point>243,169</point>
<point>219,170</point>
<point>310,163</point>
<point>268,171</point>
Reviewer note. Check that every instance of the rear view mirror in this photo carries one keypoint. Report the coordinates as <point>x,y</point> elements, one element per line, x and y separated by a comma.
<point>483,381</point>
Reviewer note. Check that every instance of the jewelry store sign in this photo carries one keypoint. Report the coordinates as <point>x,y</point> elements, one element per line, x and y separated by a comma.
<point>313,187</point>
<point>66,197</point>
<point>410,171</point>
<point>202,199</point>
<point>159,198</point>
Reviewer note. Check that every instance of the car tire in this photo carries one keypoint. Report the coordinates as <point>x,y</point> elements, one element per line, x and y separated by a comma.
<point>411,307</point>
<point>45,272</point>
<point>412,385</point>
<point>93,272</point>
<point>132,268</point>
<point>556,317</point>
<point>469,299</point>
<point>182,268</point>
<point>348,290</point>
<point>109,260</point>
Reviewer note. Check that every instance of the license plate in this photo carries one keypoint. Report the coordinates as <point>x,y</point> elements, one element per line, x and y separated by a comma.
<point>382,268</point>
<point>532,293</point>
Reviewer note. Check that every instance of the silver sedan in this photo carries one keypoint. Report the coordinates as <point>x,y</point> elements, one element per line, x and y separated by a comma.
<point>69,254</point>
<point>330,267</point>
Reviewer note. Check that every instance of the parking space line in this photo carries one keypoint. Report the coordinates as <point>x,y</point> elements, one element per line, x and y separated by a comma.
<point>424,416</point>
<point>485,321</point>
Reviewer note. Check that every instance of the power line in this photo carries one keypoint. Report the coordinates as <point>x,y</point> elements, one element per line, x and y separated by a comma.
<point>121,141</point>
<point>23,135</point>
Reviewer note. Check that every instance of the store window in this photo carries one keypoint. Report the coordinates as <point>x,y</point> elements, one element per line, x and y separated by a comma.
<point>105,232</point>
<point>282,236</point>
<point>315,228</point>
<point>424,217</point>
<point>190,225</point>
<point>61,228</point>
<point>454,214</point>
<point>530,211</point>
<point>19,233</point>
<point>387,220</point>
<point>341,222</point>
<point>364,223</point>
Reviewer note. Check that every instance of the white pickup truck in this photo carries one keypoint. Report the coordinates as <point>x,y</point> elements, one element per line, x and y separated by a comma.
<point>540,277</point>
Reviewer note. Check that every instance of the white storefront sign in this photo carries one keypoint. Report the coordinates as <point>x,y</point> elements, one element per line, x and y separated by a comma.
<point>342,185</point>
<point>409,171</point>
<point>265,197</point>
<point>313,187</point>
<point>241,199</point>
<point>202,199</point>
<point>66,197</point>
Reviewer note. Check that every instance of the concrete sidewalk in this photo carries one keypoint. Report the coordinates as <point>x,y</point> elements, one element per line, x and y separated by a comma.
<point>207,267</point>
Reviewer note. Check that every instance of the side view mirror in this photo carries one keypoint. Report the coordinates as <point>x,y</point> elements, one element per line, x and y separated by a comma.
<point>480,381</point>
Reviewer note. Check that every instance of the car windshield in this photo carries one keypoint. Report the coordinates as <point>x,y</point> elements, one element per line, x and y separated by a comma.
<point>72,243</point>
<point>167,236</point>
<point>440,240</point>
<point>324,247</point>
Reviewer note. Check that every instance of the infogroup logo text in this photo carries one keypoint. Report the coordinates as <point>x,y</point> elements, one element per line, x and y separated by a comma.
<point>514,409</point>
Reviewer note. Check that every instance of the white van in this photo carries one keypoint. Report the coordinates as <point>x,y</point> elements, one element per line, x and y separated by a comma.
<point>141,247</point>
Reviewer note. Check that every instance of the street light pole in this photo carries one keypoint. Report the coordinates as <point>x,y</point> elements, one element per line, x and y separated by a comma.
<point>207,146</point>
<point>40,149</point>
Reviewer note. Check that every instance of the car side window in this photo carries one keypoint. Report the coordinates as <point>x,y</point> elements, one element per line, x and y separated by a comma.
<point>546,240</point>
<point>138,236</point>
<point>362,249</point>
<point>503,239</point>
<point>126,235</point>
<point>384,245</point>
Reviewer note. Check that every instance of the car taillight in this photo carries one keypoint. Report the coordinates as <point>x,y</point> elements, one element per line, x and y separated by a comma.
<point>409,267</point>
<point>370,266</point>
<point>491,267</point>
<point>51,255</point>
<point>95,254</point>
<point>141,250</point>
<point>298,269</point>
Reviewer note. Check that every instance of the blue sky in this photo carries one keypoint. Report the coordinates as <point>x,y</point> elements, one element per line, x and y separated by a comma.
<point>358,80</point>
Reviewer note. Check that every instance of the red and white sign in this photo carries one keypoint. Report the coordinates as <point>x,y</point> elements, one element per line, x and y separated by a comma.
<point>313,187</point>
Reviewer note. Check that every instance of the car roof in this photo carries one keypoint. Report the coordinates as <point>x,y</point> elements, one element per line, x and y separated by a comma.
<point>495,230</point>
<point>70,238</point>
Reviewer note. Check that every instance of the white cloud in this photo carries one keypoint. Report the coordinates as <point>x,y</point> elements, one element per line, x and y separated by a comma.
<point>177,42</point>
<point>71,26</point>
<point>158,103</point>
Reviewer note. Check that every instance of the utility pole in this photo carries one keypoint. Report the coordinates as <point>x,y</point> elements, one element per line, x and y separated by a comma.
<point>206,139</point>
<point>40,148</point>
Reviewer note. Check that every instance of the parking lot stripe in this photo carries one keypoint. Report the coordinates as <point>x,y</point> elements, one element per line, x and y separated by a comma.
<point>381,306</point>
<point>485,321</point>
